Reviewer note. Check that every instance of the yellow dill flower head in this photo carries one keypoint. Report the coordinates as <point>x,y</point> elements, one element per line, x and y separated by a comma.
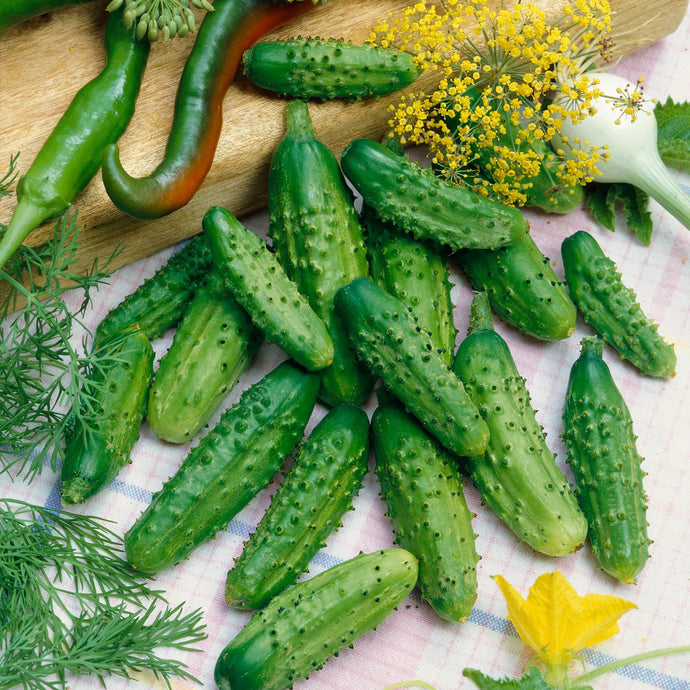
<point>557,623</point>
<point>499,68</point>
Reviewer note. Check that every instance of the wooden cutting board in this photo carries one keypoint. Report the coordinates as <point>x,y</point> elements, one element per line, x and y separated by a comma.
<point>43,62</point>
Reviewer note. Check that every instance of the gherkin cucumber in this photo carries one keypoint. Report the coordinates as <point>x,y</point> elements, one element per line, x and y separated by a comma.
<point>229,466</point>
<point>258,281</point>
<point>317,237</point>
<point>94,456</point>
<point>160,301</point>
<point>517,476</point>
<point>297,632</point>
<point>308,505</point>
<point>328,68</point>
<point>211,348</point>
<point>602,451</point>
<point>523,288</point>
<point>397,349</point>
<point>421,486</point>
<point>417,274</point>
<point>611,307</point>
<point>416,201</point>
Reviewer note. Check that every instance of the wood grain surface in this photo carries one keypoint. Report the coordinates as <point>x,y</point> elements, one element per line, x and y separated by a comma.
<point>44,61</point>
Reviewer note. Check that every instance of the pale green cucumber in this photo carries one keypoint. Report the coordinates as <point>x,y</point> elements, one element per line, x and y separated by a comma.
<point>213,345</point>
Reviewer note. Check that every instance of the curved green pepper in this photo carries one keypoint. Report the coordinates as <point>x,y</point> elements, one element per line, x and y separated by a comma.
<point>14,12</point>
<point>223,37</point>
<point>71,155</point>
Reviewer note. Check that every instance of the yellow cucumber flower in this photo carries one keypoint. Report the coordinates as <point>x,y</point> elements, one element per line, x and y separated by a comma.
<point>557,623</point>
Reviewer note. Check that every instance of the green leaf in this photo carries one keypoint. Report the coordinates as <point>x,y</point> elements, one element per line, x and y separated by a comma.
<point>673,120</point>
<point>602,200</point>
<point>532,680</point>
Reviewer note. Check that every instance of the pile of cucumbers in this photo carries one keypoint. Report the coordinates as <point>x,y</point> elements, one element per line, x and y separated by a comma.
<point>360,302</point>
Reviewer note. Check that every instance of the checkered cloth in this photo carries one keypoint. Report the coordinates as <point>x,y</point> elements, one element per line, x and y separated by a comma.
<point>413,642</point>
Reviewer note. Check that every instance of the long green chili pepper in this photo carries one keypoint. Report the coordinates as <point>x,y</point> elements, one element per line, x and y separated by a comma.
<point>16,11</point>
<point>222,38</point>
<point>72,153</point>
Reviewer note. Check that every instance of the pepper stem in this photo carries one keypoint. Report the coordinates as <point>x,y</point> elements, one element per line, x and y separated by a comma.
<point>480,314</point>
<point>27,216</point>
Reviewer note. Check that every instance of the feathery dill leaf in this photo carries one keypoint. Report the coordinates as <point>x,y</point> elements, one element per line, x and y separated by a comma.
<point>41,369</point>
<point>70,604</point>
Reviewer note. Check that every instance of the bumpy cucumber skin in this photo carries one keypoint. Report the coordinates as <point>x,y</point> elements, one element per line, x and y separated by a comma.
<point>416,273</point>
<point>523,288</point>
<point>611,307</point>
<point>229,466</point>
<point>316,492</point>
<point>317,237</point>
<point>213,345</point>
<point>93,460</point>
<point>328,68</point>
<point>160,301</point>
<point>302,627</point>
<point>260,284</point>
<point>602,451</point>
<point>415,200</point>
<point>421,486</point>
<point>388,339</point>
<point>517,477</point>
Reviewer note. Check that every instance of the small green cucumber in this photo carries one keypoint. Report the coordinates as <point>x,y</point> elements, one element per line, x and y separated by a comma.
<point>160,301</point>
<point>387,337</point>
<point>230,465</point>
<point>523,288</point>
<point>315,493</point>
<point>94,456</point>
<point>602,451</point>
<point>317,237</point>
<point>421,486</point>
<point>417,274</point>
<point>416,201</point>
<point>213,345</point>
<point>328,68</point>
<point>517,477</point>
<point>259,283</point>
<point>306,624</point>
<point>611,307</point>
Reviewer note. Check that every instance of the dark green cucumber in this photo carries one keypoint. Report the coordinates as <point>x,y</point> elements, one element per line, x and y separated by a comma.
<point>317,237</point>
<point>611,307</point>
<point>416,201</point>
<point>517,477</point>
<point>328,68</point>
<point>93,457</point>
<point>602,451</point>
<point>260,284</point>
<point>159,302</point>
<point>301,628</point>
<point>421,486</point>
<point>213,345</point>
<point>417,274</point>
<point>229,466</point>
<point>314,495</point>
<point>523,288</point>
<point>387,337</point>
